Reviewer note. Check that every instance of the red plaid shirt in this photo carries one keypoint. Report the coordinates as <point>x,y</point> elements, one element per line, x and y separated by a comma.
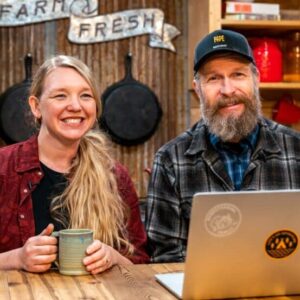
<point>20,173</point>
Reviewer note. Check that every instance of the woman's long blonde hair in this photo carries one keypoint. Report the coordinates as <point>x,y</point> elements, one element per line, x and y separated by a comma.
<point>91,199</point>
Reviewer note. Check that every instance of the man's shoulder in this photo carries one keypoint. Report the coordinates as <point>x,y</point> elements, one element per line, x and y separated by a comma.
<point>281,130</point>
<point>182,142</point>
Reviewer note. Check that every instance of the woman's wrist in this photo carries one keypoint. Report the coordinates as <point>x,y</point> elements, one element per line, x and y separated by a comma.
<point>118,258</point>
<point>11,260</point>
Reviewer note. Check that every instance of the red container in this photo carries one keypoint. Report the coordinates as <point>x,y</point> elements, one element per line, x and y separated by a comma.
<point>286,111</point>
<point>268,57</point>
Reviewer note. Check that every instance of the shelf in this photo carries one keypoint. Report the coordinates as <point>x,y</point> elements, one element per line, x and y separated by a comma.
<point>261,24</point>
<point>206,16</point>
<point>279,85</point>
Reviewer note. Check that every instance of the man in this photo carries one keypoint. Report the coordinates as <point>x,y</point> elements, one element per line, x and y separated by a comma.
<point>231,148</point>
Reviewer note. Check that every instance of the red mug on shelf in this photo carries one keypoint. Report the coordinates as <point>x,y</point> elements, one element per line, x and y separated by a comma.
<point>268,58</point>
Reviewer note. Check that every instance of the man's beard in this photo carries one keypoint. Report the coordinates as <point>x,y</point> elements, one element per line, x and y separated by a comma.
<point>231,128</point>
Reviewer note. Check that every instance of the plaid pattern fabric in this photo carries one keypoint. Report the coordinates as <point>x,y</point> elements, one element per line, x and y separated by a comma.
<point>189,164</point>
<point>236,157</point>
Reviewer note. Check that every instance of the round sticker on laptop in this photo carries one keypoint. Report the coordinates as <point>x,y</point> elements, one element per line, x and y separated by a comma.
<point>281,244</point>
<point>223,219</point>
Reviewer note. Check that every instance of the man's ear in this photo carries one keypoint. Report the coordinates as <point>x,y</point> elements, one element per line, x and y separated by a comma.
<point>258,76</point>
<point>34,104</point>
<point>196,87</point>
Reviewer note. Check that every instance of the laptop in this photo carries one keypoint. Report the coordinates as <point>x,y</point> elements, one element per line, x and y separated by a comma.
<point>240,244</point>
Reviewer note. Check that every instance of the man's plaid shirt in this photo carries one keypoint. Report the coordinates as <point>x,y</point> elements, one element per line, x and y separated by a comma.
<point>189,164</point>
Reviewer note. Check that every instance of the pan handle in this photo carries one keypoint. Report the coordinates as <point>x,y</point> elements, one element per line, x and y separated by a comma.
<point>128,64</point>
<point>28,66</point>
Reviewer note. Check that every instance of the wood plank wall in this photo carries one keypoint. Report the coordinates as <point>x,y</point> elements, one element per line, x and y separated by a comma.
<point>162,70</point>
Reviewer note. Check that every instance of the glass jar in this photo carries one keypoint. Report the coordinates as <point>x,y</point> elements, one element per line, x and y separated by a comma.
<point>268,57</point>
<point>291,68</point>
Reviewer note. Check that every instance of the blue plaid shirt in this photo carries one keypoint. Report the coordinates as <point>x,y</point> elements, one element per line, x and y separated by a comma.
<point>236,156</point>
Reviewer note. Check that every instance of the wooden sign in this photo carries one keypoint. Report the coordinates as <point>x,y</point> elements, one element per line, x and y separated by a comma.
<point>86,26</point>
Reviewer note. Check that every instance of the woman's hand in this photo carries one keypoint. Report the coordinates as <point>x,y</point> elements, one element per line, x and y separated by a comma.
<point>38,252</point>
<point>101,257</point>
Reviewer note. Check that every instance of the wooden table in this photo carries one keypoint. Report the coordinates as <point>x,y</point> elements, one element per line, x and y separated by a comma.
<point>120,282</point>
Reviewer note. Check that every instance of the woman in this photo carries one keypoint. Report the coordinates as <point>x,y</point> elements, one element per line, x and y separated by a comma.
<point>65,178</point>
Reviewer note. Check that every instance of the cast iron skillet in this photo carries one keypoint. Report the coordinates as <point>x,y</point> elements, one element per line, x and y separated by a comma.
<point>131,111</point>
<point>16,121</point>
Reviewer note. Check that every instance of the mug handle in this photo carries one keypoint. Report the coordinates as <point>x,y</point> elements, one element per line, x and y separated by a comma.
<point>56,234</point>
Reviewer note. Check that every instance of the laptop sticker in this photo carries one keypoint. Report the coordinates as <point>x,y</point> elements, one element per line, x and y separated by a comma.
<point>222,220</point>
<point>281,244</point>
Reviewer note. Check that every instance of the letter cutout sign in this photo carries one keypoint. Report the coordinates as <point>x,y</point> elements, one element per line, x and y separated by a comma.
<point>86,26</point>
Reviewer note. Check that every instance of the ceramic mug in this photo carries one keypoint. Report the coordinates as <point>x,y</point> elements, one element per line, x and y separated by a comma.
<point>72,246</point>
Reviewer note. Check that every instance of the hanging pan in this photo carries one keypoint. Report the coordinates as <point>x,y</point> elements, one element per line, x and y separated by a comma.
<point>131,111</point>
<point>16,120</point>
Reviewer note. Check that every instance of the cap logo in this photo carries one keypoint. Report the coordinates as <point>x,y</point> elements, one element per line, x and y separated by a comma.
<point>219,38</point>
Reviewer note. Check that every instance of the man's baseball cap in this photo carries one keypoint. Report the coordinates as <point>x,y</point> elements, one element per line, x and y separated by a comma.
<point>219,41</point>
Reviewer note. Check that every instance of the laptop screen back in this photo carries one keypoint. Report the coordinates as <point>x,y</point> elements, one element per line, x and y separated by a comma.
<point>243,244</point>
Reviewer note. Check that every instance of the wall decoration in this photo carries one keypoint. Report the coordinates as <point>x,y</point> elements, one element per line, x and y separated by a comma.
<point>86,26</point>
<point>21,12</point>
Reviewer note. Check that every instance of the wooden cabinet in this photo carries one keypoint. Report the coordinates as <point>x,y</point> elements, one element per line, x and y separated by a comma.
<point>206,16</point>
